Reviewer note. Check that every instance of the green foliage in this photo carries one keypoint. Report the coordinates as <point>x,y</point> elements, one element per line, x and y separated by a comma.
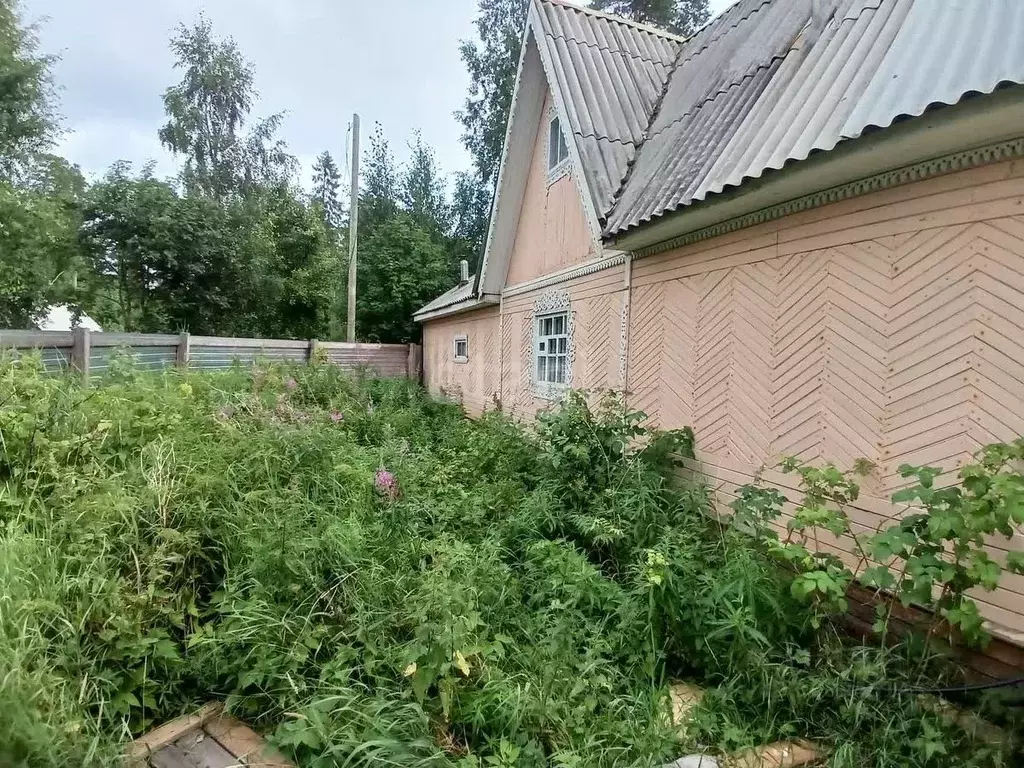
<point>206,113</point>
<point>326,183</point>
<point>262,266</point>
<point>684,17</point>
<point>938,548</point>
<point>27,121</point>
<point>167,539</point>
<point>38,254</point>
<point>491,61</point>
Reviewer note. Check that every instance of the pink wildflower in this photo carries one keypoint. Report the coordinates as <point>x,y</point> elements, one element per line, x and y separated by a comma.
<point>386,484</point>
<point>337,417</point>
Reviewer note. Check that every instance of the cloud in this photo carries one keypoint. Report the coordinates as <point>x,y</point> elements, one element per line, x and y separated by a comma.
<point>318,61</point>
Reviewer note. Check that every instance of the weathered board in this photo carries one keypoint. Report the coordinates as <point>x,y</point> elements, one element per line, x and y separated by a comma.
<point>209,738</point>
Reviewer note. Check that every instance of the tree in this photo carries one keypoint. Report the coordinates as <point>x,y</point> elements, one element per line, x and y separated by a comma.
<point>402,266</point>
<point>683,17</point>
<point>206,113</point>
<point>38,255</point>
<point>422,188</point>
<point>378,198</point>
<point>326,183</point>
<point>492,63</point>
<point>471,215</point>
<point>27,119</point>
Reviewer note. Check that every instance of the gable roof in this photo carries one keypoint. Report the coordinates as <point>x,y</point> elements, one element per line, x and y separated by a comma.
<point>772,81</point>
<point>605,75</point>
<point>657,123</point>
<point>609,74</point>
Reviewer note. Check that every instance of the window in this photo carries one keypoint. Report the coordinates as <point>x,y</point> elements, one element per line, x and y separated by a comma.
<point>552,349</point>
<point>461,349</point>
<point>558,150</point>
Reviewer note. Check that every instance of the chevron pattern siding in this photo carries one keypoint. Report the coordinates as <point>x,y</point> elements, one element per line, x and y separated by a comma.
<point>957,379</point>
<point>594,343</point>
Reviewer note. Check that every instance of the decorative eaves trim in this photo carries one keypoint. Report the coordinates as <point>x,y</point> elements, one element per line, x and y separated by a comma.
<point>555,278</point>
<point>971,158</point>
<point>466,305</point>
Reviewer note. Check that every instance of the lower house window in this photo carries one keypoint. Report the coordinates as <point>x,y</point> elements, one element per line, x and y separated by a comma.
<point>461,349</point>
<point>552,348</point>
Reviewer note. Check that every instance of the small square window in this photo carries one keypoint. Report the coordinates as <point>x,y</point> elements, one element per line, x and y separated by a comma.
<point>558,150</point>
<point>461,349</point>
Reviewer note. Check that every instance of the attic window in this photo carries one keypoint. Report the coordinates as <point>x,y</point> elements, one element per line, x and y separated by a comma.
<point>558,150</point>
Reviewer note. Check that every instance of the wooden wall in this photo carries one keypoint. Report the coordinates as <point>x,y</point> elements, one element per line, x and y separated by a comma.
<point>553,231</point>
<point>475,383</point>
<point>596,306</point>
<point>888,327</point>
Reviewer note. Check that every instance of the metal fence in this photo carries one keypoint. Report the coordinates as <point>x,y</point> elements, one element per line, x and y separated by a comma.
<point>91,353</point>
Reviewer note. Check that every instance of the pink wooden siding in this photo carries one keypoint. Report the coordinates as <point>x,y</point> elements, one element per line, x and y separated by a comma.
<point>596,306</point>
<point>889,327</point>
<point>475,383</point>
<point>553,231</point>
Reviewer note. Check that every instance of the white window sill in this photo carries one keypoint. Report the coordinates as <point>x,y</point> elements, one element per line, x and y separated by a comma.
<point>461,360</point>
<point>549,391</point>
<point>559,171</point>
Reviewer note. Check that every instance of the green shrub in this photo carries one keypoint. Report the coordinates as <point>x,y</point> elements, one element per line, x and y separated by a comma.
<point>507,597</point>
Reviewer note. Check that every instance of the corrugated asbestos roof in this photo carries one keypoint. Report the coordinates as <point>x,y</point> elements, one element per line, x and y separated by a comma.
<point>456,295</point>
<point>768,82</point>
<point>610,73</point>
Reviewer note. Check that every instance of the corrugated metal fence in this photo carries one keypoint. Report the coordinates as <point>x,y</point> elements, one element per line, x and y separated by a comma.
<point>91,353</point>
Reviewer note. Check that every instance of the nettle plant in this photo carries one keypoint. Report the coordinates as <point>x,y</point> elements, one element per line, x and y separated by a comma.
<point>933,557</point>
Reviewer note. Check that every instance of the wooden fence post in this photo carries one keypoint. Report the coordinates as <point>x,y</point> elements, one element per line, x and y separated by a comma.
<point>412,363</point>
<point>184,350</point>
<point>81,349</point>
<point>313,345</point>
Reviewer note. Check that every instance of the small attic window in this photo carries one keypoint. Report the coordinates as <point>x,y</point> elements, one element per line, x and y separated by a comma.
<point>558,150</point>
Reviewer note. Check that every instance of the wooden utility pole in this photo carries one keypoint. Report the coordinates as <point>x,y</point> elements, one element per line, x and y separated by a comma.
<point>353,231</point>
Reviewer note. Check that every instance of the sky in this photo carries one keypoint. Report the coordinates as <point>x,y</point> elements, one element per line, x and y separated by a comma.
<point>393,61</point>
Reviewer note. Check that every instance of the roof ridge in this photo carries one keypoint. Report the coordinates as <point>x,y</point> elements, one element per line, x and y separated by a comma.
<point>725,29</point>
<point>606,49</point>
<point>640,26</point>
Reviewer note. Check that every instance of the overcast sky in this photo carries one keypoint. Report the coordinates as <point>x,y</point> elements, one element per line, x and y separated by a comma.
<point>392,61</point>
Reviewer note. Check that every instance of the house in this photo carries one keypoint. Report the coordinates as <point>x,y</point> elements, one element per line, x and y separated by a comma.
<point>800,232</point>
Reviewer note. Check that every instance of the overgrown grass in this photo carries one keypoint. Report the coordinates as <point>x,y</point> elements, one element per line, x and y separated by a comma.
<point>375,580</point>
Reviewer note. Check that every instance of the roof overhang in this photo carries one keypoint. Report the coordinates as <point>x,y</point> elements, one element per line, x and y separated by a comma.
<point>468,305</point>
<point>973,123</point>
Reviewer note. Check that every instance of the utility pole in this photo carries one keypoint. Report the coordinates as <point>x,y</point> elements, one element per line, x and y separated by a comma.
<point>353,231</point>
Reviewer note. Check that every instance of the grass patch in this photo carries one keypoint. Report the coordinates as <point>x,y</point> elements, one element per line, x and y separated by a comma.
<point>375,580</point>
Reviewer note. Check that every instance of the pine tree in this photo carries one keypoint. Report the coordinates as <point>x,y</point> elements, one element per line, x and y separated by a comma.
<point>326,184</point>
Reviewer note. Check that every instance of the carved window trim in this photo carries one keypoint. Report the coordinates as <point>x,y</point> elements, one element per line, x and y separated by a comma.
<point>550,304</point>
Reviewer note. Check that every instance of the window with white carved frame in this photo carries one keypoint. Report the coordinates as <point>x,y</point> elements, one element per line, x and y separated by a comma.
<point>551,352</point>
<point>461,349</point>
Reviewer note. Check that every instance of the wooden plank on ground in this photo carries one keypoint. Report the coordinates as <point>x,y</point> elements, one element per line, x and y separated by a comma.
<point>245,744</point>
<point>170,732</point>
<point>782,754</point>
<point>194,750</point>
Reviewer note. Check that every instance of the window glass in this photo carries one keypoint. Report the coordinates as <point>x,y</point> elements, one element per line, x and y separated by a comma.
<point>552,349</point>
<point>558,150</point>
